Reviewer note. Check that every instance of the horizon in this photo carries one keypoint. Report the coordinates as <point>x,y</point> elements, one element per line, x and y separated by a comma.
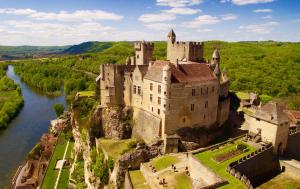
<point>63,23</point>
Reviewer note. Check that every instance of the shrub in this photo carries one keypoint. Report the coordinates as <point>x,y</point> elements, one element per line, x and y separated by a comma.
<point>59,109</point>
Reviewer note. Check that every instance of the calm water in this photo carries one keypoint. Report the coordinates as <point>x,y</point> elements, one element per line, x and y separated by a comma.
<point>25,130</point>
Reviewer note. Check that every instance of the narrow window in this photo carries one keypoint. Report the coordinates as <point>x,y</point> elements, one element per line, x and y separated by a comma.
<point>139,90</point>
<point>159,100</point>
<point>206,104</point>
<point>158,111</point>
<point>152,109</point>
<point>193,92</point>
<point>151,86</point>
<point>134,89</point>
<point>137,56</point>
<point>159,89</point>
<point>192,107</point>
<point>213,89</point>
<point>151,97</point>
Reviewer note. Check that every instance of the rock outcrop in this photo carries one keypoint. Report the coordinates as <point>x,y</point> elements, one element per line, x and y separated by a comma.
<point>116,122</point>
<point>133,159</point>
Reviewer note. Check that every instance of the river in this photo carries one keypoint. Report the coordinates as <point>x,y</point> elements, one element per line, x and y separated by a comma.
<point>25,130</point>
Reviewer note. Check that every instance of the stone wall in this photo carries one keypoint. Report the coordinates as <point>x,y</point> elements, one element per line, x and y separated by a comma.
<point>146,125</point>
<point>256,168</point>
<point>202,176</point>
<point>133,159</point>
<point>293,147</point>
<point>128,183</point>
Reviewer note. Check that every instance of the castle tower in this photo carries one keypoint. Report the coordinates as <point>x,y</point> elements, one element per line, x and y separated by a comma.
<point>143,52</point>
<point>170,44</point>
<point>166,85</point>
<point>215,63</point>
<point>215,58</point>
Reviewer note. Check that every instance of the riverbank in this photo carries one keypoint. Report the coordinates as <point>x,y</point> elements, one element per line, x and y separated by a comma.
<point>11,99</point>
<point>26,129</point>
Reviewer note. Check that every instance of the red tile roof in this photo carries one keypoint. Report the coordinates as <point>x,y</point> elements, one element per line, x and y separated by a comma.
<point>184,73</point>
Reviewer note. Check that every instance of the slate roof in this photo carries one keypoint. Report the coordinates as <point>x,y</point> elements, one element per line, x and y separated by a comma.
<point>272,112</point>
<point>184,73</point>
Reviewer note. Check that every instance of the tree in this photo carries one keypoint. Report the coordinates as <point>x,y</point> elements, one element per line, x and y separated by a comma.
<point>59,109</point>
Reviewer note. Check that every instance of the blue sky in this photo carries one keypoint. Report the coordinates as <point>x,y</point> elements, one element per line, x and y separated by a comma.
<point>66,22</point>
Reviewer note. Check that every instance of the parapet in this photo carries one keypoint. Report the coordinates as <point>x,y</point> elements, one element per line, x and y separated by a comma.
<point>139,45</point>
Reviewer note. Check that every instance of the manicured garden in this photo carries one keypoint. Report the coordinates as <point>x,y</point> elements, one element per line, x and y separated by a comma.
<point>164,162</point>
<point>52,173</point>
<point>183,181</point>
<point>138,180</point>
<point>207,158</point>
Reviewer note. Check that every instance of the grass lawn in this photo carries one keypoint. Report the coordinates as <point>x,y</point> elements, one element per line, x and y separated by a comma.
<point>87,93</point>
<point>242,95</point>
<point>138,180</point>
<point>64,176</point>
<point>52,173</point>
<point>164,162</point>
<point>183,182</point>
<point>115,148</point>
<point>220,168</point>
<point>282,181</point>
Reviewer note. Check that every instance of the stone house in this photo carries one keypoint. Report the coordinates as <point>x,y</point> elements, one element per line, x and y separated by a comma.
<point>166,95</point>
<point>272,124</point>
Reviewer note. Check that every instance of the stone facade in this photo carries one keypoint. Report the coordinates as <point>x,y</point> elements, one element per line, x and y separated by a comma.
<point>184,91</point>
<point>272,124</point>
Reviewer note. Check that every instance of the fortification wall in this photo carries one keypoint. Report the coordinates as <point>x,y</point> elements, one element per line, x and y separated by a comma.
<point>256,168</point>
<point>202,176</point>
<point>293,147</point>
<point>146,125</point>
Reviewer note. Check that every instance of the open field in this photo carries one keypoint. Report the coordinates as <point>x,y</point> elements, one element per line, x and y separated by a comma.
<point>220,168</point>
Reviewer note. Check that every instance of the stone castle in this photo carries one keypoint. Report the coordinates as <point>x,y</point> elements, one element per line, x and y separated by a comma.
<point>184,91</point>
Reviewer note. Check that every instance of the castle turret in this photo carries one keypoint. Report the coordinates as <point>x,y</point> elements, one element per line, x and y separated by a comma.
<point>171,36</point>
<point>166,86</point>
<point>143,52</point>
<point>215,58</point>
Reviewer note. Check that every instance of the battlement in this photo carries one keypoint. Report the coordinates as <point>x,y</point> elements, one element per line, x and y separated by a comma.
<point>147,45</point>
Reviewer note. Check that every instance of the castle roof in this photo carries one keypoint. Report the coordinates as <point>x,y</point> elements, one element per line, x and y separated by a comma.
<point>171,33</point>
<point>272,112</point>
<point>216,54</point>
<point>184,73</point>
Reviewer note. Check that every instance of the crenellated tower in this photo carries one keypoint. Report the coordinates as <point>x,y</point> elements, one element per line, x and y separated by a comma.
<point>183,51</point>
<point>143,52</point>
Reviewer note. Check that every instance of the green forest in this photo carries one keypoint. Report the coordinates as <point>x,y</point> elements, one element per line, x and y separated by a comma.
<point>268,68</point>
<point>11,99</point>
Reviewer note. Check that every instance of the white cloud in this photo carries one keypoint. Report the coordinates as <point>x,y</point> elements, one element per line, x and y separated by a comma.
<point>229,17</point>
<point>182,10</point>
<point>160,17</point>
<point>265,28</point>
<point>262,10</point>
<point>267,17</point>
<point>202,20</point>
<point>77,16</point>
<point>160,26</point>
<point>224,1</point>
<point>178,3</point>
<point>204,30</point>
<point>247,2</point>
